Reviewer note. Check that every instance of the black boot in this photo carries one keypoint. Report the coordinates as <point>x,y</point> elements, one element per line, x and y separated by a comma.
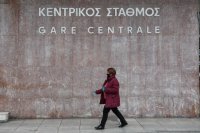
<point>100,127</point>
<point>120,116</point>
<point>123,124</point>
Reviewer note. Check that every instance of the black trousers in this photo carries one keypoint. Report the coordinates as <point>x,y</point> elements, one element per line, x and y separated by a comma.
<point>115,111</point>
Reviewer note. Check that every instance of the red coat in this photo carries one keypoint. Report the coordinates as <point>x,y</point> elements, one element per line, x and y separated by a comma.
<point>110,97</point>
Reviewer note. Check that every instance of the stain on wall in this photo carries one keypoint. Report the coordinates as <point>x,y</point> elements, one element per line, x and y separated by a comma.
<point>52,76</point>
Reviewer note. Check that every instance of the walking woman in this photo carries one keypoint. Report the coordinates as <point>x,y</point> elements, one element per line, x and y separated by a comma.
<point>110,97</point>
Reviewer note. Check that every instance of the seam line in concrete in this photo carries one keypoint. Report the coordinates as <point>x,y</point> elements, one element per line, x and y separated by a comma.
<point>40,124</point>
<point>19,124</point>
<point>139,123</point>
<point>80,126</point>
<point>59,126</point>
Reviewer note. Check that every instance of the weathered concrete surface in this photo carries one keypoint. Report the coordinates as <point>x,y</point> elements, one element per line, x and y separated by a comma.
<point>139,125</point>
<point>52,76</point>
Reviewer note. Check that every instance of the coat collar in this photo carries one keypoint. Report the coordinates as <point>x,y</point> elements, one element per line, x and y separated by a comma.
<point>108,79</point>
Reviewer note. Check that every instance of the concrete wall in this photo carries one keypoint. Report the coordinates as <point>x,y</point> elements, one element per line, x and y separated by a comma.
<point>52,76</point>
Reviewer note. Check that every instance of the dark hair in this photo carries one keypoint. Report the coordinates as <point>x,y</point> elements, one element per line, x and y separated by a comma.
<point>111,71</point>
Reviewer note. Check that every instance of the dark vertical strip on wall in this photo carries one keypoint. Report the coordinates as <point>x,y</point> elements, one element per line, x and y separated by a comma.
<point>198,14</point>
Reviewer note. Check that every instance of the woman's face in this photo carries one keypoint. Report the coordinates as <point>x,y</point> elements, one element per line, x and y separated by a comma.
<point>108,74</point>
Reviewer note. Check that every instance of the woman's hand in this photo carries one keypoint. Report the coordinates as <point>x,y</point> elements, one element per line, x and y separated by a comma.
<point>94,93</point>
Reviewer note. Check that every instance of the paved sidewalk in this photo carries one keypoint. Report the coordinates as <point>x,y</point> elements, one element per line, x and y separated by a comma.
<point>139,125</point>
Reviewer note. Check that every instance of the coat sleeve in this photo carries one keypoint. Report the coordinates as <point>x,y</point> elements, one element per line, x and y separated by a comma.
<point>114,89</point>
<point>99,91</point>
